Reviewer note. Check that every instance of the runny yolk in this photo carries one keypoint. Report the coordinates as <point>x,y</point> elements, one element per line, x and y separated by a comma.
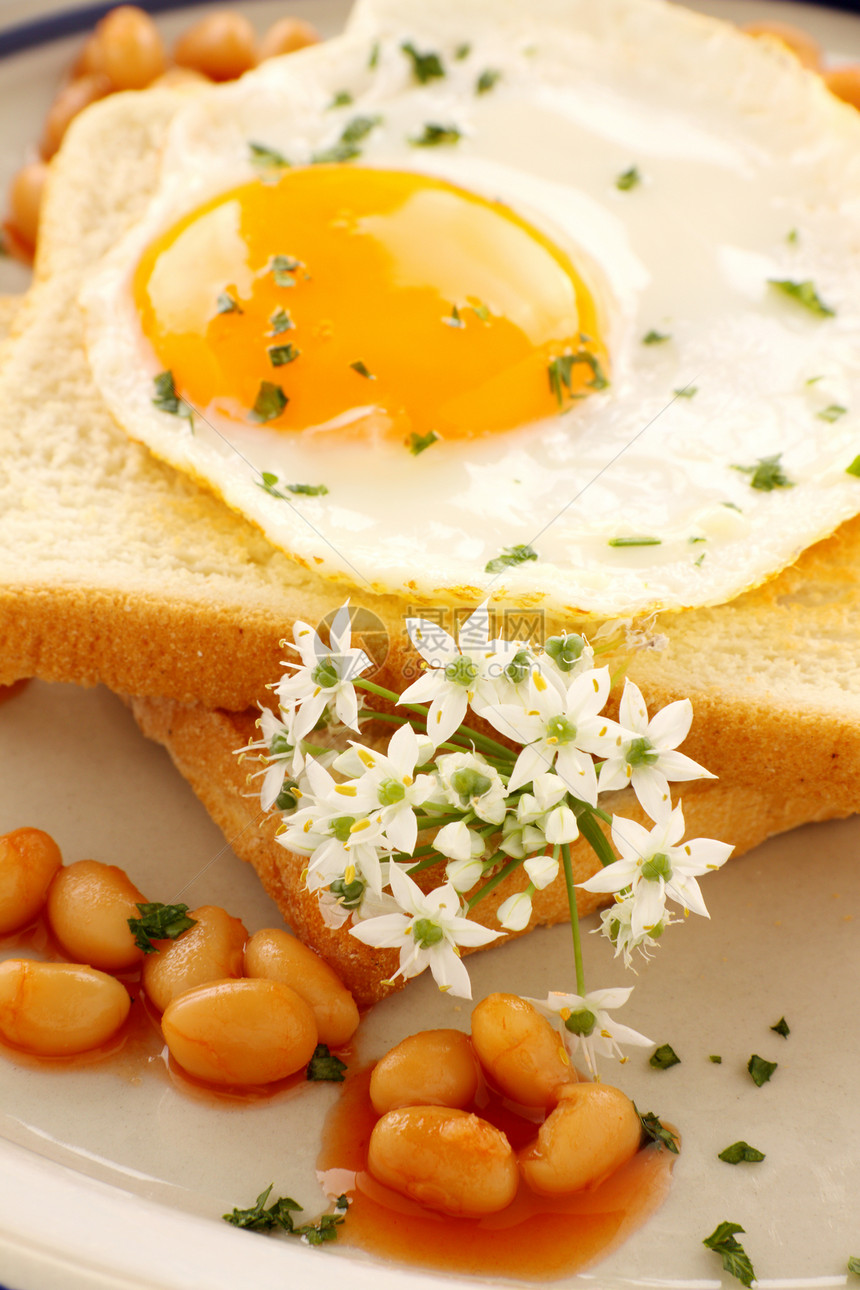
<point>362,301</point>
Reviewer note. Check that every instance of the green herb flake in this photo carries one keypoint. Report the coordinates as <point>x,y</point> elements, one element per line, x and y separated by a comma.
<point>766,474</point>
<point>805,294</point>
<point>269,403</point>
<point>266,158</point>
<point>716,1059</point>
<point>279,355</point>
<point>792,236</point>
<point>813,380</point>
<point>373,56</point>
<point>323,1066</point>
<point>359,128</point>
<point>664,1057</point>
<point>560,373</point>
<point>435,136</point>
<point>854,468</point>
<point>279,1217</point>
<point>735,1259</point>
<point>628,179</point>
<point>654,1130</point>
<point>782,1028</point>
<point>487,80</point>
<point>635,540</point>
<point>225,304</point>
<point>454,320</point>
<point>336,155</point>
<point>281,322</point>
<point>760,1070</point>
<point>510,558</point>
<point>269,484</point>
<point>462,51</point>
<point>741,1153</point>
<point>425,67</point>
<point>853,1265</point>
<point>166,399</point>
<point>419,443</point>
<point>831,413</point>
<point>360,367</point>
<point>159,922</point>
<point>686,392</point>
<point>343,98</point>
<point>653,337</point>
<point>481,311</point>
<point>282,268</point>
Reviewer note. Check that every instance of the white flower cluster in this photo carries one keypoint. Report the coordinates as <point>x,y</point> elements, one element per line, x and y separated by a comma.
<point>369,820</point>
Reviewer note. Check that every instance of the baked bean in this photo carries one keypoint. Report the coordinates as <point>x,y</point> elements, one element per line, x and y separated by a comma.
<point>29,859</point>
<point>71,100</point>
<point>844,82</point>
<point>444,1158</point>
<point>211,950</point>
<point>591,1133</point>
<point>519,1050</point>
<point>181,77</point>
<point>89,905</point>
<point>278,956</point>
<point>240,1032</point>
<point>128,48</point>
<point>25,200</point>
<point>222,46</point>
<point>432,1068</point>
<point>55,1009</point>
<point>286,36</point>
<point>806,50</point>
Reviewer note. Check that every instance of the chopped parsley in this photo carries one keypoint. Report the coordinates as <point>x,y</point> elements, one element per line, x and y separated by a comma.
<point>159,922</point>
<point>511,556</point>
<point>418,443</point>
<point>373,57</point>
<point>664,1057</point>
<point>686,392</point>
<point>561,368</point>
<point>782,1028</point>
<point>166,399</point>
<point>656,1131</point>
<point>360,367</point>
<point>279,1217</point>
<point>435,135</point>
<point>791,236</point>
<point>716,1059</point>
<point>831,413</point>
<point>359,128</point>
<point>323,1066</point>
<point>487,80</point>
<point>767,474</point>
<point>282,268</point>
<point>343,98</point>
<point>462,51</point>
<point>269,484</point>
<point>454,320</point>
<point>279,355</point>
<point>425,67</point>
<point>805,294</point>
<point>336,154</point>
<point>266,158</point>
<point>741,1153</point>
<point>281,322</point>
<point>760,1070</point>
<point>653,337</point>
<point>735,1259</point>
<point>854,468</point>
<point>269,403</point>
<point>628,179</point>
<point>347,145</point>
<point>853,1265</point>
<point>225,304</point>
<point>635,540</point>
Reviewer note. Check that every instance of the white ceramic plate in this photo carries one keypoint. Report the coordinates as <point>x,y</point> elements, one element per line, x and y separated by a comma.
<point>112,1179</point>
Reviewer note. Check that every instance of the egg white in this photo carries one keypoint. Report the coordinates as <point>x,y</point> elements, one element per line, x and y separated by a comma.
<point>750,171</point>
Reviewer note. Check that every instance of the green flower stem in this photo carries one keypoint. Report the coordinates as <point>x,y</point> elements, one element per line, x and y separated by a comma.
<point>586,818</point>
<point>488,886</point>
<point>427,863</point>
<point>574,918</point>
<point>484,742</point>
<point>382,693</point>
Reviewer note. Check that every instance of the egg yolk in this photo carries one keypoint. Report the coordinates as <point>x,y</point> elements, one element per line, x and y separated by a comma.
<point>372,302</point>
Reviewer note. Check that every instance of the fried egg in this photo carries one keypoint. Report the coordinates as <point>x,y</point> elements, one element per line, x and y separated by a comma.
<point>560,308</point>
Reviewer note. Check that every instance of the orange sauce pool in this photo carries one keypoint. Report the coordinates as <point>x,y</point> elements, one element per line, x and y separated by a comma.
<point>534,1238</point>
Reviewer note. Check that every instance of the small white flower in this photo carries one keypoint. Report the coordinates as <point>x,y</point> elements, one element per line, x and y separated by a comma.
<point>616,924</point>
<point>542,870</point>
<point>280,748</point>
<point>515,912</point>
<point>469,782</point>
<point>561,728</point>
<point>464,874</point>
<point>587,1026</point>
<point>428,933</point>
<point>521,840</point>
<point>456,841</point>
<point>655,866</point>
<point>647,757</point>
<point>325,676</point>
<point>387,785</point>
<point>457,671</point>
